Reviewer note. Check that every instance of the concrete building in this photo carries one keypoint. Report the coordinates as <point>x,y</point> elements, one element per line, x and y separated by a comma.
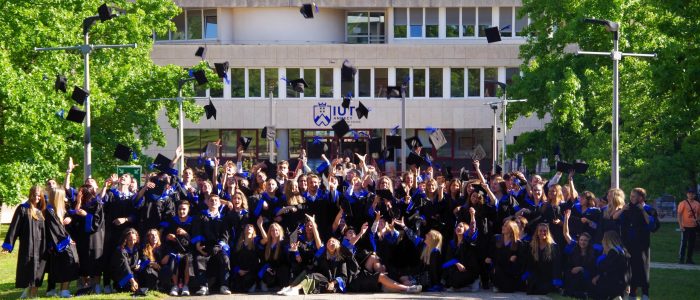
<point>437,47</point>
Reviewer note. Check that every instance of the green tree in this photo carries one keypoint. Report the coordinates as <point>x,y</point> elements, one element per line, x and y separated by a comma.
<point>34,142</point>
<point>659,105</point>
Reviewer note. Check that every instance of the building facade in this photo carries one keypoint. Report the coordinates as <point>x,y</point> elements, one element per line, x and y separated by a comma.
<point>437,48</point>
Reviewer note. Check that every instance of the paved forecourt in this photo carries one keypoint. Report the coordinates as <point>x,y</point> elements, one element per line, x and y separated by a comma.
<point>383,296</point>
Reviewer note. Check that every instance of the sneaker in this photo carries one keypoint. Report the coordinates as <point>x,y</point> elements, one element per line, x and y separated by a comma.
<point>494,289</point>
<point>108,289</point>
<point>263,287</point>
<point>450,290</point>
<point>476,285</point>
<point>52,293</point>
<point>224,290</point>
<point>283,290</point>
<point>414,289</point>
<point>185,291</point>
<point>174,291</point>
<point>203,291</point>
<point>251,289</point>
<point>291,292</point>
<point>25,293</point>
<point>98,289</point>
<point>66,294</point>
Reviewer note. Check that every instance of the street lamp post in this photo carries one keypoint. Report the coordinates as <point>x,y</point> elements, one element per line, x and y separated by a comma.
<point>616,56</point>
<point>403,126</point>
<point>504,104</point>
<point>181,124</point>
<point>494,146</point>
<point>86,48</point>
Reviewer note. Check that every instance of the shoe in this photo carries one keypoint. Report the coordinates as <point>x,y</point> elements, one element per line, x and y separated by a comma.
<point>414,289</point>
<point>108,289</point>
<point>185,291</point>
<point>174,291</point>
<point>476,285</point>
<point>203,291</point>
<point>66,294</point>
<point>450,290</point>
<point>645,297</point>
<point>25,293</point>
<point>283,290</point>
<point>251,289</point>
<point>263,287</point>
<point>224,290</point>
<point>690,262</point>
<point>52,293</point>
<point>494,289</point>
<point>98,289</point>
<point>291,292</point>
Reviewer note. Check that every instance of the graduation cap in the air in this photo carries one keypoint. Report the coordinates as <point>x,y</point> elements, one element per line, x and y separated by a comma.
<point>76,115</point>
<point>79,95</point>
<point>463,174</point>
<point>362,111</point>
<point>244,141</point>
<point>385,194</point>
<point>400,193</point>
<point>298,85</point>
<point>307,10</point>
<point>200,76</point>
<point>162,163</point>
<point>347,71</point>
<point>375,145</point>
<point>123,152</point>
<point>394,141</point>
<point>105,12</point>
<point>415,159</point>
<point>221,69</point>
<point>388,154</point>
<point>210,110</point>
<point>60,83</point>
<point>393,92</point>
<point>201,51</point>
<point>413,142</point>
<point>580,167</point>
<point>479,189</point>
<point>492,34</point>
<point>346,102</point>
<point>341,128</point>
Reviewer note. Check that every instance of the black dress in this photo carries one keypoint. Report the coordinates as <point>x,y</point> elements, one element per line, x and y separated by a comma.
<point>279,268</point>
<point>245,259</point>
<point>544,275</point>
<point>507,275</point>
<point>124,265</point>
<point>466,254</point>
<point>32,237</point>
<point>614,274</point>
<point>636,236</point>
<point>90,238</point>
<point>64,263</point>
<point>578,285</point>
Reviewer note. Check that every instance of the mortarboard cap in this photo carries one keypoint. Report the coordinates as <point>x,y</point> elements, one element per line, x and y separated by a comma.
<point>298,85</point>
<point>389,154</point>
<point>347,72</point>
<point>564,167</point>
<point>341,128</point>
<point>79,95</point>
<point>245,142</point>
<point>413,142</point>
<point>201,51</point>
<point>200,76</point>
<point>346,102</point>
<point>385,194</point>
<point>393,92</point>
<point>499,169</point>
<point>580,167</point>
<point>221,69</point>
<point>400,193</point>
<point>414,159</point>
<point>263,133</point>
<point>162,163</point>
<point>479,189</point>
<point>463,174</point>
<point>394,141</point>
<point>492,34</point>
<point>362,111</point>
<point>307,10</point>
<point>76,115</point>
<point>375,145</point>
<point>105,12</point>
<point>60,83</point>
<point>210,110</point>
<point>123,152</point>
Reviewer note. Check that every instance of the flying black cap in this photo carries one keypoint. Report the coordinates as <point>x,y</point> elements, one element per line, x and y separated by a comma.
<point>362,111</point>
<point>399,192</point>
<point>105,12</point>
<point>347,72</point>
<point>386,194</point>
<point>263,133</point>
<point>245,142</point>
<point>162,163</point>
<point>200,76</point>
<point>413,142</point>
<point>394,141</point>
<point>580,167</point>
<point>564,167</point>
<point>76,115</point>
<point>210,110</point>
<point>298,85</point>
<point>393,92</point>
<point>341,128</point>
<point>123,152</point>
<point>79,95</point>
<point>60,83</point>
<point>492,34</point>
<point>375,145</point>
<point>201,51</point>
<point>415,159</point>
<point>221,69</point>
<point>389,154</point>
<point>307,10</point>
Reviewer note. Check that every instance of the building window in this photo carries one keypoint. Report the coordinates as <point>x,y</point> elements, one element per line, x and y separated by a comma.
<point>403,76</point>
<point>310,78</point>
<point>505,21</point>
<point>520,22</point>
<point>400,22</point>
<point>196,139</point>
<point>365,27</point>
<point>435,87</point>
<point>468,21</point>
<point>432,26</point>
<point>271,81</point>
<point>210,24</point>
<point>484,20</point>
<point>179,33</point>
<point>452,22</point>
<point>474,82</point>
<point>457,83</point>
<point>326,80</point>
<point>510,74</point>
<point>416,21</point>
<point>292,74</point>
<point>490,88</point>
<point>254,83</point>
<point>381,81</point>
<point>237,83</point>
<point>193,24</point>
<point>418,81</point>
<point>364,86</point>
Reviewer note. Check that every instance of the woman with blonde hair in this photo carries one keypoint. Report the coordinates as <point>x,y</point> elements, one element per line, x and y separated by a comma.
<point>507,258</point>
<point>245,261</point>
<point>64,257</point>
<point>430,249</point>
<point>27,225</point>
<point>616,202</point>
<point>612,267</point>
<point>543,273</point>
<point>152,257</point>
<point>294,206</point>
<point>276,267</point>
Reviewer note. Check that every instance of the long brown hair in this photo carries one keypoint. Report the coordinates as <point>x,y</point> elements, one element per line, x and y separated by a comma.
<point>241,240</point>
<point>535,244</point>
<point>268,246</point>
<point>148,249</point>
<point>126,233</point>
<point>34,192</point>
<point>293,198</point>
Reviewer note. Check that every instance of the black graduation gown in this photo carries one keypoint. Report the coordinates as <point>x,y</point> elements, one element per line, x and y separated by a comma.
<point>179,250</point>
<point>326,270</point>
<point>465,253</point>
<point>292,220</point>
<point>245,259</point>
<point>604,225</point>
<point>279,276</point>
<point>507,275</point>
<point>543,276</point>
<point>507,206</point>
<point>360,204</point>
<point>323,207</point>
<point>64,262</point>
<point>211,231</point>
<point>117,205</point>
<point>576,227</point>
<point>614,271</point>
<point>154,209</point>
<point>148,276</point>
<point>90,238</point>
<point>31,233</point>
<point>124,264</point>
<point>578,285</point>
<point>636,236</point>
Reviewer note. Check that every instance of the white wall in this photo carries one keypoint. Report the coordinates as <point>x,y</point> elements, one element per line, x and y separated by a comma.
<point>282,26</point>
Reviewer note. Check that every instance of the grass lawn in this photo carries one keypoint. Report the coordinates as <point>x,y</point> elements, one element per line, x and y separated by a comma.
<point>665,243</point>
<point>8,263</point>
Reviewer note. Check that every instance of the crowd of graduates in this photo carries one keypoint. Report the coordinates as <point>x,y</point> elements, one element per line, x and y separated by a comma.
<point>341,228</point>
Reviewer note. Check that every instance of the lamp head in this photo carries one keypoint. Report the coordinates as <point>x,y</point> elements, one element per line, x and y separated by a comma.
<point>609,25</point>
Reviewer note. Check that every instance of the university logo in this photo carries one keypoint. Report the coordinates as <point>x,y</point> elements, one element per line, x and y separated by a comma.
<point>322,115</point>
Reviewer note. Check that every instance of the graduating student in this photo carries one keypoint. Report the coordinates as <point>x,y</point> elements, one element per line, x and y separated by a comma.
<point>125,262</point>
<point>275,270</point>
<point>585,216</point>
<point>580,262</point>
<point>90,233</point>
<point>153,258</point>
<point>178,232</point>
<point>371,277</point>
<point>245,261</point>
<point>120,213</point>
<point>211,258</point>
<point>158,202</point>
<point>294,208</point>
<point>543,271</point>
<point>329,274</point>
<point>613,270</point>
<point>64,263</point>
<point>616,202</point>
<point>638,220</point>
<point>461,268</point>
<point>28,226</point>
<point>507,258</point>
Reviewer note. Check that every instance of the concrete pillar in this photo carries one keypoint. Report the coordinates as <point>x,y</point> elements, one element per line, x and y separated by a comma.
<point>283,150</point>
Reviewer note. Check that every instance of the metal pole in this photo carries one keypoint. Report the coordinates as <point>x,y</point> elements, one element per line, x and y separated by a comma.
<point>505,130</point>
<point>181,131</point>
<point>271,142</point>
<point>494,149</point>
<point>87,163</point>
<point>615,176</point>
<point>403,128</point>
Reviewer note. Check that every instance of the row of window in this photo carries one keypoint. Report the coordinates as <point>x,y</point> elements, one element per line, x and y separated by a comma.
<point>193,24</point>
<point>369,83</point>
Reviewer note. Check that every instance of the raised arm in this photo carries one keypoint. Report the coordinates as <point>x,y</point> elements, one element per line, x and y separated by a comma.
<point>69,170</point>
<point>336,222</point>
<point>317,237</point>
<point>572,189</point>
<point>567,216</point>
<point>263,234</point>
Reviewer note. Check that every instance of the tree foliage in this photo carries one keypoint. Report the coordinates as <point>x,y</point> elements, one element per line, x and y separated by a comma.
<point>35,143</point>
<point>659,103</point>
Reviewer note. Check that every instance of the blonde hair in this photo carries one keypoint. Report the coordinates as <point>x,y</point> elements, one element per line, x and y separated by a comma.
<point>57,199</point>
<point>535,244</point>
<point>241,240</point>
<point>611,240</point>
<point>292,197</point>
<point>436,193</point>
<point>515,230</point>
<point>148,249</point>
<point>558,194</point>
<point>268,246</point>
<point>615,202</point>
<point>33,193</point>
<point>433,240</point>
<point>244,199</point>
